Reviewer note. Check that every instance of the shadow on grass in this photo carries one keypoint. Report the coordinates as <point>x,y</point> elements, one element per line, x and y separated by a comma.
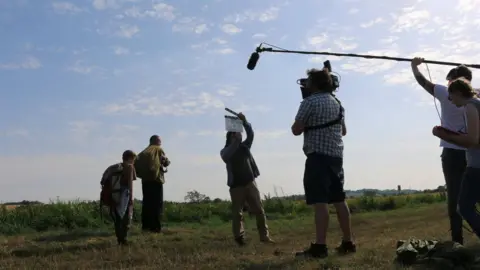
<point>293,263</point>
<point>48,251</point>
<point>475,249</point>
<point>289,263</point>
<point>77,235</point>
<point>71,236</point>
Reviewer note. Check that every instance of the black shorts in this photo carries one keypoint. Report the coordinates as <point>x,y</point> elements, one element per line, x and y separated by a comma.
<point>323,179</point>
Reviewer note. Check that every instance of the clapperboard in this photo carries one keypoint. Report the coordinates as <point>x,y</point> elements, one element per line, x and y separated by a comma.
<point>233,123</point>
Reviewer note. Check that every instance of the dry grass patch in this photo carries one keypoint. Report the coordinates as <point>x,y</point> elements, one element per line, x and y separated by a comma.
<point>211,246</point>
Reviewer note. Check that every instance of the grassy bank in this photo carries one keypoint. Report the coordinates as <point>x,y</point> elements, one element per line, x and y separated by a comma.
<point>211,246</point>
<point>72,215</point>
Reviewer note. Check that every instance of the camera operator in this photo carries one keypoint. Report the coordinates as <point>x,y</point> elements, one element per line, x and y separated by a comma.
<point>320,119</point>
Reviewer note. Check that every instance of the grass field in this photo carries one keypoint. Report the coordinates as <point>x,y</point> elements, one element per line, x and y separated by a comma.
<point>207,244</point>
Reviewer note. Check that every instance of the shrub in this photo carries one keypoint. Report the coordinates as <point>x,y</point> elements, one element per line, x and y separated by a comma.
<point>72,215</point>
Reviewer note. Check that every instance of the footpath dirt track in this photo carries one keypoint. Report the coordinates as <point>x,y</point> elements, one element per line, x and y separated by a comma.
<point>211,247</point>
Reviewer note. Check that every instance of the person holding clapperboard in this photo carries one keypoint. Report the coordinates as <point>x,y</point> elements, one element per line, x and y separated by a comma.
<point>241,173</point>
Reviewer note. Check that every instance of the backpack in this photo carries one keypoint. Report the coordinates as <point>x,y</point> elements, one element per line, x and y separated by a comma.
<point>138,165</point>
<point>148,164</point>
<point>111,185</point>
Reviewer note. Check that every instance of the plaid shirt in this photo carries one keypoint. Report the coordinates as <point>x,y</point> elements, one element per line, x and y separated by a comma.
<point>317,109</point>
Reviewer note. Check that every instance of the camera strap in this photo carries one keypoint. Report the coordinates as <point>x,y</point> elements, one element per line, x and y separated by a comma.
<point>338,120</point>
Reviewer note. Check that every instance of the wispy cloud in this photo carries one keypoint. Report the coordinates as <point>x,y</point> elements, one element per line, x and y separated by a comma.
<point>259,36</point>
<point>372,22</point>
<point>220,46</point>
<point>353,11</point>
<point>259,133</point>
<point>388,40</point>
<point>30,62</point>
<point>66,8</point>
<point>346,43</point>
<point>15,132</point>
<point>81,130</point>
<point>105,4</point>
<point>171,105</point>
<point>410,19</point>
<point>190,24</point>
<point>79,51</point>
<point>231,29</point>
<point>83,68</point>
<point>127,31</point>
<point>161,11</point>
<point>266,15</point>
<point>224,51</point>
<point>368,66</point>
<point>227,90</point>
<point>118,50</point>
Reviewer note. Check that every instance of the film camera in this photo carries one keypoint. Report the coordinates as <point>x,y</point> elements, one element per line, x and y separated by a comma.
<point>334,78</point>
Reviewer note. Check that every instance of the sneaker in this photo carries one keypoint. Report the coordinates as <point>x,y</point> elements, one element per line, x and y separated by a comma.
<point>314,251</point>
<point>346,247</point>
<point>240,241</point>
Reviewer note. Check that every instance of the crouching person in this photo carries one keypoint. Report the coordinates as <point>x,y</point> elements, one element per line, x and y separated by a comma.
<point>241,174</point>
<point>117,194</point>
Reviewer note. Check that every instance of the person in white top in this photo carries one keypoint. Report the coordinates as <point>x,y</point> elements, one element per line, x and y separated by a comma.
<point>453,157</point>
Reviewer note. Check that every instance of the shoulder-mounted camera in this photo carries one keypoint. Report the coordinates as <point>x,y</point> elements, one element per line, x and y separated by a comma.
<point>334,79</point>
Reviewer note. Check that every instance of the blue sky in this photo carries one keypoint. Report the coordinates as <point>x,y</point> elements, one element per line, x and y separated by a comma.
<point>81,81</point>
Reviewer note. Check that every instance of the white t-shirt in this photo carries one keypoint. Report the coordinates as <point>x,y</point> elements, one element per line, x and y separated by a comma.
<point>452,116</point>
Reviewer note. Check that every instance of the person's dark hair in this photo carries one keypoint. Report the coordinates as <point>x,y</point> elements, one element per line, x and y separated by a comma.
<point>460,71</point>
<point>320,79</point>
<point>128,155</point>
<point>154,139</point>
<point>462,87</point>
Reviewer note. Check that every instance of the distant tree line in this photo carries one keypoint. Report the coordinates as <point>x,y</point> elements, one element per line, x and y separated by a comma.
<point>195,196</point>
<point>23,203</point>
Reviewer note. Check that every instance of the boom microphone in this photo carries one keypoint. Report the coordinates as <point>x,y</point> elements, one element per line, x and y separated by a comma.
<point>254,58</point>
<point>252,62</point>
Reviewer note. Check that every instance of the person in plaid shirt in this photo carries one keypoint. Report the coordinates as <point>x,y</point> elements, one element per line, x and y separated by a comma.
<point>323,178</point>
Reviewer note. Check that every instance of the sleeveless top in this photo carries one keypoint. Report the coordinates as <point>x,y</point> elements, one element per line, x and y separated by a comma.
<point>473,154</point>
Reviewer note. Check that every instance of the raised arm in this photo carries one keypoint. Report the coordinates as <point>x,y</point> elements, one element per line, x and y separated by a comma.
<point>250,135</point>
<point>422,81</point>
<point>248,129</point>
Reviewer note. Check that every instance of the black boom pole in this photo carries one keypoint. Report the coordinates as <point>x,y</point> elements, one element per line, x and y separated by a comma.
<point>400,59</point>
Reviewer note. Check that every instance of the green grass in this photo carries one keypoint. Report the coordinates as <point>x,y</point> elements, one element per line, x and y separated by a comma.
<point>209,244</point>
<point>86,215</point>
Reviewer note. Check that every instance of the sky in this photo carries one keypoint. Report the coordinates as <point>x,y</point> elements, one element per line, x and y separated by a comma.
<point>82,81</point>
